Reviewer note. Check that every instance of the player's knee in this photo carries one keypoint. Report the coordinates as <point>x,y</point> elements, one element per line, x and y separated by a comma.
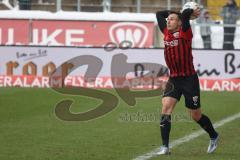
<point>166,108</point>
<point>196,116</point>
<point>168,105</point>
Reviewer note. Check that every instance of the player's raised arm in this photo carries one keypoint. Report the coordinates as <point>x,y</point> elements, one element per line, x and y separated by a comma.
<point>186,14</point>
<point>186,19</point>
<point>161,19</point>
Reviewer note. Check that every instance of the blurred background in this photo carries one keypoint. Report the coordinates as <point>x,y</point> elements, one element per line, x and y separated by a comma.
<point>137,6</point>
<point>211,24</point>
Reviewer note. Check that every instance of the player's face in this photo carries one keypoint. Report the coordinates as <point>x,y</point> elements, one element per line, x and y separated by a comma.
<point>173,22</point>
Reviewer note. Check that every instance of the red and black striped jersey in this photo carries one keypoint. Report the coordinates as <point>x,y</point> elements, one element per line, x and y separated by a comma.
<point>178,45</point>
<point>178,52</point>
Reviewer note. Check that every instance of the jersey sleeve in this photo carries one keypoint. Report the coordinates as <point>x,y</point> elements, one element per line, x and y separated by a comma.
<point>161,19</point>
<point>186,19</point>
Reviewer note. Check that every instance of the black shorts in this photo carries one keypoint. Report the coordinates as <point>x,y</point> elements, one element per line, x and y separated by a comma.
<point>188,86</point>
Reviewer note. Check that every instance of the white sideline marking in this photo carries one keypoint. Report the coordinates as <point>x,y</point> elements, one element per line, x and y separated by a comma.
<point>187,138</point>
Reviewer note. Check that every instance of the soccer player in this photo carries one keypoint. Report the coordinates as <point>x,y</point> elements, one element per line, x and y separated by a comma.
<point>178,56</point>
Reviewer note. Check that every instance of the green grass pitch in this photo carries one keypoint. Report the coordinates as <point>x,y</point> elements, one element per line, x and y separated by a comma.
<point>30,130</point>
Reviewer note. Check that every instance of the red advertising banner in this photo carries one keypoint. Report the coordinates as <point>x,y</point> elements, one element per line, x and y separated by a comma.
<point>75,33</point>
<point>106,82</point>
<point>31,66</point>
<point>14,32</point>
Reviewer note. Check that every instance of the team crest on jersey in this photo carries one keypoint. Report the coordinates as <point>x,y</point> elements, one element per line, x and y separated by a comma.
<point>176,35</point>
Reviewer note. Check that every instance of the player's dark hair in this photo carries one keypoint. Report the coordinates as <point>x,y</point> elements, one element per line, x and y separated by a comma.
<point>177,13</point>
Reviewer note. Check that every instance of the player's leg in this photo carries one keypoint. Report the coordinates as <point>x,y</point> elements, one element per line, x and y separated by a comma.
<point>168,104</point>
<point>206,124</point>
<point>191,92</point>
<point>169,100</point>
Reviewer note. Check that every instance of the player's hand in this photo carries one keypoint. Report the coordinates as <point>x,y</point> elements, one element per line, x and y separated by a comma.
<point>196,12</point>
